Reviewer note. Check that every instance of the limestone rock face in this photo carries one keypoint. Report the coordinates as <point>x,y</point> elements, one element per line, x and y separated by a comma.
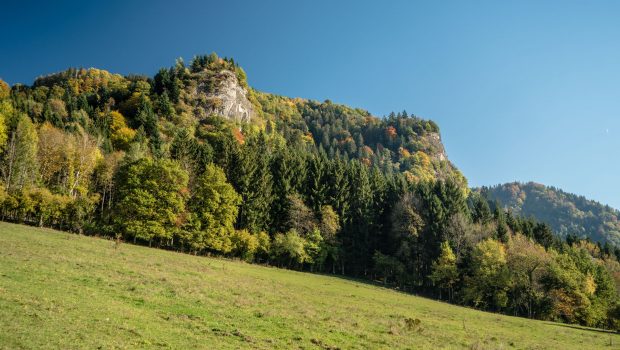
<point>223,95</point>
<point>436,148</point>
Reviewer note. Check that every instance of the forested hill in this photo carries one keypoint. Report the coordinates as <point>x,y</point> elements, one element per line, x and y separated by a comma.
<point>567,213</point>
<point>182,100</point>
<point>195,160</point>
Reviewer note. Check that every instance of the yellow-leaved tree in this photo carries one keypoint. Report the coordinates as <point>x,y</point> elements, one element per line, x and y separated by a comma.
<point>66,161</point>
<point>6,109</point>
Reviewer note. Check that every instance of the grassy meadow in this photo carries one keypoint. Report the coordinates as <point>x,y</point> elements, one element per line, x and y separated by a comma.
<point>64,291</point>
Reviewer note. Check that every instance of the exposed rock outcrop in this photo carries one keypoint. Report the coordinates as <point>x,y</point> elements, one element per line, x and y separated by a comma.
<point>222,94</point>
<point>438,150</point>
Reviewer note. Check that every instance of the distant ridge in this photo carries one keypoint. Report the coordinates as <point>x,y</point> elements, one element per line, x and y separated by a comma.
<point>567,213</point>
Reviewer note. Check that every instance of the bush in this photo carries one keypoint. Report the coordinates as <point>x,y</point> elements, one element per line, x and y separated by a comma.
<point>79,213</point>
<point>244,244</point>
<point>290,248</point>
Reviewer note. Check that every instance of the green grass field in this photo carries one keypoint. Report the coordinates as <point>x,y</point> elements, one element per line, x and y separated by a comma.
<point>64,291</point>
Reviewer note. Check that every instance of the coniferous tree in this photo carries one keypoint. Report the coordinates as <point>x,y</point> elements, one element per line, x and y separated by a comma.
<point>253,180</point>
<point>502,227</point>
<point>357,238</point>
<point>316,189</point>
<point>322,187</point>
<point>481,213</point>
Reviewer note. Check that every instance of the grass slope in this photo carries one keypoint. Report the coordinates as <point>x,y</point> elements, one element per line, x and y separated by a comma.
<point>63,291</point>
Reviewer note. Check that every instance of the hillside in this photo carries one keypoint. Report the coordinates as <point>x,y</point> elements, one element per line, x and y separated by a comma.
<point>567,213</point>
<point>195,160</point>
<point>59,290</point>
<point>185,97</point>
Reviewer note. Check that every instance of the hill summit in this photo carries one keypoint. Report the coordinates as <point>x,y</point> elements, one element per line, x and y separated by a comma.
<point>567,213</point>
<point>195,160</point>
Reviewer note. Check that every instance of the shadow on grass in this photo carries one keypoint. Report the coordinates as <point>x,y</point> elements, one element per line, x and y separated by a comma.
<point>574,326</point>
<point>365,281</point>
<point>430,296</point>
<point>362,281</point>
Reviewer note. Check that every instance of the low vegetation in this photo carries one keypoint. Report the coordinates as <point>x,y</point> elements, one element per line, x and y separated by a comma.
<point>60,290</point>
<point>306,185</point>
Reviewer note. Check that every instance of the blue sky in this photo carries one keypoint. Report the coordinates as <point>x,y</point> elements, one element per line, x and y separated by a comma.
<point>522,90</point>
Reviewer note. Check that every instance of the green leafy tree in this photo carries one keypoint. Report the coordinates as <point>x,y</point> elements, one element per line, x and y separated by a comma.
<point>527,262</point>
<point>19,168</point>
<point>6,111</point>
<point>329,223</point>
<point>314,248</point>
<point>151,198</point>
<point>330,227</point>
<point>444,271</point>
<point>121,135</point>
<point>290,248</point>
<point>48,206</point>
<point>489,281</point>
<point>566,291</point>
<point>215,204</point>
<point>264,246</point>
<point>369,196</point>
<point>578,289</point>
<point>244,244</point>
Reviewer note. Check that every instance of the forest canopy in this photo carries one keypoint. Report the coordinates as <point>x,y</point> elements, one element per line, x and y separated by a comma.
<point>295,183</point>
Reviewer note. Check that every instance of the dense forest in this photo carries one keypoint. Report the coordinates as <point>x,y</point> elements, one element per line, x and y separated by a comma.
<point>195,160</point>
<point>567,213</point>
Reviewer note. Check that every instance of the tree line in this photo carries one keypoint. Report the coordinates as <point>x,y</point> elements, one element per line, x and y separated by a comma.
<point>307,185</point>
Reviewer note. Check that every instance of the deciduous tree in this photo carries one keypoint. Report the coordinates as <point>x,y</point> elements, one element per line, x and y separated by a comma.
<point>151,198</point>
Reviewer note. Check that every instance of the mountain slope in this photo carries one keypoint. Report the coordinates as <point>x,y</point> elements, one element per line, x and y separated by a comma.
<point>59,290</point>
<point>218,86</point>
<point>567,213</point>
<point>195,160</point>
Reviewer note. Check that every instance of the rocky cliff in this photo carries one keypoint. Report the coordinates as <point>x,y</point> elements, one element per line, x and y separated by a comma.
<point>222,94</point>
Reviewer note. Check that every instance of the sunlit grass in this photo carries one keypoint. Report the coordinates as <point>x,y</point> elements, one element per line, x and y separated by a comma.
<point>64,291</point>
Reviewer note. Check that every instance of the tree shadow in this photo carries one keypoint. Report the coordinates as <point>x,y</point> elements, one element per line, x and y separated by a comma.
<point>574,326</point>
<point>430,296</point>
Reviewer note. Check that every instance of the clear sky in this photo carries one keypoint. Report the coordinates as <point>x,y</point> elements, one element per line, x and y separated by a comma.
<point>522,90</point>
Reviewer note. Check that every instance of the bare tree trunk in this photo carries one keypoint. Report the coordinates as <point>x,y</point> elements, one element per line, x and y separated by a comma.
<point>103,200</point>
